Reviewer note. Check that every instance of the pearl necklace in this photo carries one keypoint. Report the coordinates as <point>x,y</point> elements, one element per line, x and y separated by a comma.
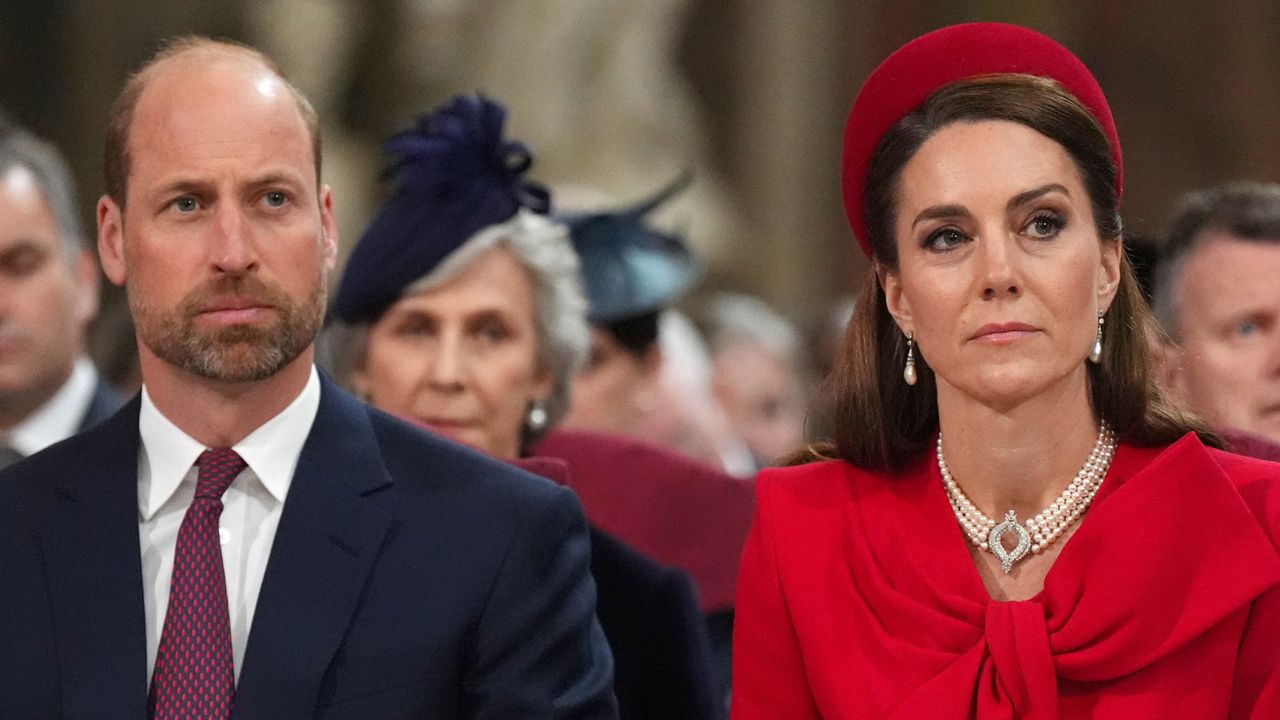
<point>1049,524</point>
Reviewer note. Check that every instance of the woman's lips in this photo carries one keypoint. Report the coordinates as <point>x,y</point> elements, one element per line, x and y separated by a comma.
<point>1004,333</point>
<point>446,425</point>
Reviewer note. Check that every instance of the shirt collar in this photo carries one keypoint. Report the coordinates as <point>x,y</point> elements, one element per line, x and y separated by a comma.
<point>60,416</point>
<point>271,451</point>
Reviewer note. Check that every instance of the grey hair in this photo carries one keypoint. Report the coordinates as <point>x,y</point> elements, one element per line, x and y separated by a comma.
<point>1246,210</point>
<point>21,149</point>
<point>739,319</point>
<point>543,248</point>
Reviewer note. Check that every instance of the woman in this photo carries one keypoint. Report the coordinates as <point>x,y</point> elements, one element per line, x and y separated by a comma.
<point>461,309</point>
<point>1018,525</point>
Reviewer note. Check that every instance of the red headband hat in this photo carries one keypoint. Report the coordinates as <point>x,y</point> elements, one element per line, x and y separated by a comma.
<point>909,76</point>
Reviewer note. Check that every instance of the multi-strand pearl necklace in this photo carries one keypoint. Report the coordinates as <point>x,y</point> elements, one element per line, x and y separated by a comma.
<point>1041,530</point>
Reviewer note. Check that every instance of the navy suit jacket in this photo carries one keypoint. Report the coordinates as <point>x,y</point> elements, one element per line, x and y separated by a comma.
<point>409,578</point>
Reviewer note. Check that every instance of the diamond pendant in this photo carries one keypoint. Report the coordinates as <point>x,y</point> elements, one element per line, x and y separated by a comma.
<point>1010,525</point>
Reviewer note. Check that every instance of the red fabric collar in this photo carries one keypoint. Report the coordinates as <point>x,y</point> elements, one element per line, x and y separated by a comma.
<point>1168,551</point>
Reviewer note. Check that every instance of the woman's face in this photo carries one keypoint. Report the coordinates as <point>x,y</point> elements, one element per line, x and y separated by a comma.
<point>1001,272</point>
<point>615,391</point>
<point>461,357</point>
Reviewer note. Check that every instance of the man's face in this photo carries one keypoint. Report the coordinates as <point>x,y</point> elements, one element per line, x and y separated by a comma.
<point>1228,311</point>
<point>45,300</point>
<point>226,242</point>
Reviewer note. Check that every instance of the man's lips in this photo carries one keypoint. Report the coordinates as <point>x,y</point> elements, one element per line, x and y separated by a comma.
<point>234,310</point>
<point>1003,333</point>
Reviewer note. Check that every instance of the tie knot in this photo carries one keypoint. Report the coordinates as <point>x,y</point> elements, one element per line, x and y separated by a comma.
<point>218,467</point>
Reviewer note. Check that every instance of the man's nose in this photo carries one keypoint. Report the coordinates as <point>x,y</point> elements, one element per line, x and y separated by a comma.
<point>231,245</point>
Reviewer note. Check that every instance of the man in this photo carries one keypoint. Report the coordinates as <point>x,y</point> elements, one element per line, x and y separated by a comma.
<point>1217,296</point>
<point>366,570</point>
<point>49,390</point>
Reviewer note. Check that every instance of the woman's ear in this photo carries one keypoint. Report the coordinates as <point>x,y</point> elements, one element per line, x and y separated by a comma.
<point>894,297</point>
<point>1109,271</point>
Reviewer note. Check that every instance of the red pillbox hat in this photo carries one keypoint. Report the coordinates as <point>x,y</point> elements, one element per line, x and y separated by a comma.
<point>916,70</point>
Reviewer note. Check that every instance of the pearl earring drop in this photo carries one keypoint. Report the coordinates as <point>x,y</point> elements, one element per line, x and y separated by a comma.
<point>909,372</point>
<point>1095,353</point>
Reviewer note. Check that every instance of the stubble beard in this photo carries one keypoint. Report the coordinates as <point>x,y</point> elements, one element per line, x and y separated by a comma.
<point>237,353</point>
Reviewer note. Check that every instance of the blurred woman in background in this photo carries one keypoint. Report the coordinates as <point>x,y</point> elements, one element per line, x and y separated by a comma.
<point>460,309</point>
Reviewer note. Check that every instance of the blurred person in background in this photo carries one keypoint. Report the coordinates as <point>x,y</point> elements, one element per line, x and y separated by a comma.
<point>1217,296</point>
<point>672,490</point>
<point>630,273</point>
<point>49,389</point>
<point>649,372</point>
<point>461,309</point>
<point>758,374</point>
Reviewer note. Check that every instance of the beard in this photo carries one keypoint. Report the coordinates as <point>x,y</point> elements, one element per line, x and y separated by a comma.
<point>237,353</point>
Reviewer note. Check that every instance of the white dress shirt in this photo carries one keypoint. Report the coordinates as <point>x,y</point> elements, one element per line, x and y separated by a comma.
<point>251,507</point>
<point>59,418</point>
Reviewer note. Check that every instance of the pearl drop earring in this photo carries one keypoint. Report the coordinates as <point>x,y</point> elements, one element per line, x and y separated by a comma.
<point>909,372</point>
<point>1095,353</point>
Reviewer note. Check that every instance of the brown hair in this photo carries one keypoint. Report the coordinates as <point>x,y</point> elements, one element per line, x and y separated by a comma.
<point>881,424</point>
<point>120,122</point>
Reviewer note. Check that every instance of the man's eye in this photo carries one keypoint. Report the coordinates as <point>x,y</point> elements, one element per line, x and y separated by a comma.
<point>186,204</point>
<point>276,199</point>
<point>1247,328</point>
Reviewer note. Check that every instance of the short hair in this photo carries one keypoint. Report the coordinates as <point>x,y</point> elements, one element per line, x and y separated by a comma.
<point>116,156</point>
<point>1246,210</point>
<point>542,247</point>
<point>20,148</point>
<point>731,319</point>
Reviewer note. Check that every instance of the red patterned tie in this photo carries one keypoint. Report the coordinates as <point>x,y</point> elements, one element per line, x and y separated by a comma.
<point>195,675</point>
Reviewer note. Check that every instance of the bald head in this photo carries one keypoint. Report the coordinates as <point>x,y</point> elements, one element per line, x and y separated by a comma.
<point>178,57</point>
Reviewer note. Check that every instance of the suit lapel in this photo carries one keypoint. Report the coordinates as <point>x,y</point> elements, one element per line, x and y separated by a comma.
<point>94,570</point>
<point>326,545</point>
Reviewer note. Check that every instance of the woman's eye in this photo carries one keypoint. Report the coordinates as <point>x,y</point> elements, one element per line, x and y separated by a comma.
<point>276,199</point>
<point>945,239</point>
<point>493,333</point>
<point>413,329</point>
<point>1045,225</point>
<point>1246,328</point>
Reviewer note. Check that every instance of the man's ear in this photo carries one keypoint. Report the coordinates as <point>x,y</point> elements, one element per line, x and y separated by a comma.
<point>329,228</point>
<point>1170,374</point>
<point>111,239</point>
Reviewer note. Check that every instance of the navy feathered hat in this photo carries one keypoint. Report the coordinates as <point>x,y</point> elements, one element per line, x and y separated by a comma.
<point>455,175</point>
<point>628,267</point>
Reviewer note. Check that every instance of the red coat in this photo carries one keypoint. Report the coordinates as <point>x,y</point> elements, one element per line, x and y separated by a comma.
<point>674,509</point>
<point>858,599</point>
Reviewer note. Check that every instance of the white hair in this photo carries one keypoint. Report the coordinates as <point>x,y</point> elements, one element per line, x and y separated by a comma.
<point>543,248</point>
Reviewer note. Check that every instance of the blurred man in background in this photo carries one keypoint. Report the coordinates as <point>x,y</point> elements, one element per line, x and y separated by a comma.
<point>1217,296</point>
<point>49,390</point>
